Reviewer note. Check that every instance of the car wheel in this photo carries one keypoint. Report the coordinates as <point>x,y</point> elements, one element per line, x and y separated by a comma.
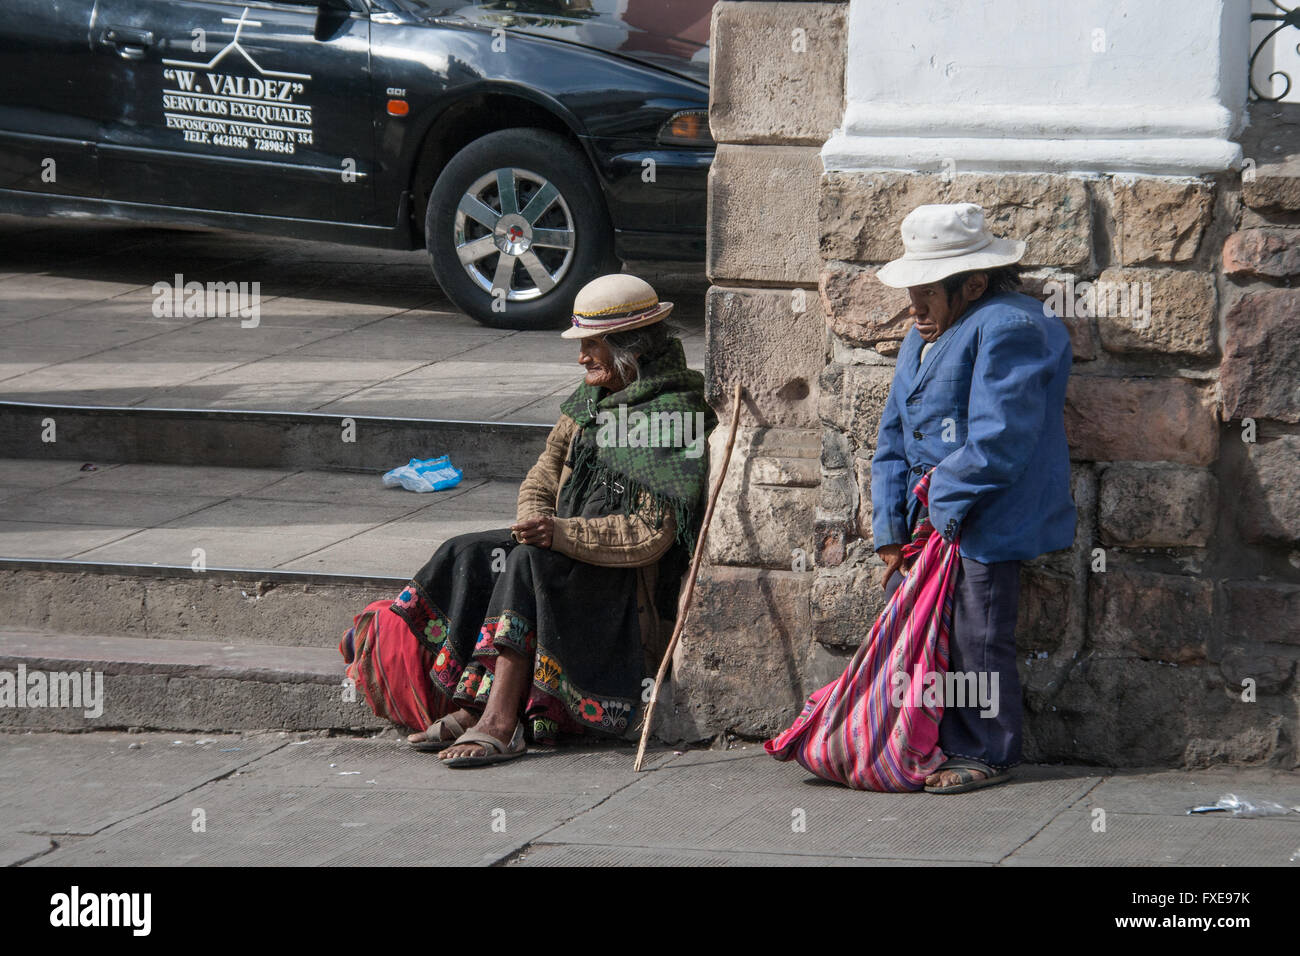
<point>515,226</point>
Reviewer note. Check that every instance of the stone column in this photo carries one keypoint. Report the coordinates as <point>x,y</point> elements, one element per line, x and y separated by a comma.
<point>777,74</point>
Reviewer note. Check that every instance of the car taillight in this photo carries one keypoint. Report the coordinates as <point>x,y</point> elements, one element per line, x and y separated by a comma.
<point>687,128</point>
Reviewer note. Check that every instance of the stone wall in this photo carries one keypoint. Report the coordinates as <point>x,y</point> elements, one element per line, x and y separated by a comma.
<point>746,659</point>
<point>1181,595</point>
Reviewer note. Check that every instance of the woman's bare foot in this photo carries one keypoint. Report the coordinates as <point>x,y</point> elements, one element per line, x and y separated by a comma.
<point>500,727</point>
<point>501,714</point>
<point>948,778</point>
<point>462,716</point>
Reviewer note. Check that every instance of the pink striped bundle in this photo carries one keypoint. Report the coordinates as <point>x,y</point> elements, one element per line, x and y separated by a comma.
<point>870,729</point>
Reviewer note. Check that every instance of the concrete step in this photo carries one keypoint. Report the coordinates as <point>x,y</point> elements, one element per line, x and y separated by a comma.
<point>263,439</point>
<point>173,685</point>
<point>248,607</point>
<point>231,555</point>
<point>244,519</point>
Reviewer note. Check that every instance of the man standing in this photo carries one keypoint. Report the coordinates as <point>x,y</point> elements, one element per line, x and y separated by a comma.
<point>978,395</point>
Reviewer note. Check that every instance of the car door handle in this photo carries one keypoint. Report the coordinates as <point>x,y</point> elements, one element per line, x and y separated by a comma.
<point>130,42</point>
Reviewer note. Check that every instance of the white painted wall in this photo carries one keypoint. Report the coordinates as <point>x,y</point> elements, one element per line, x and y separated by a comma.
<point>1061,85</point>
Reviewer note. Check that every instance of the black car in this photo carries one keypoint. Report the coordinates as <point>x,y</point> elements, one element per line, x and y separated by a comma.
<point>528,145</point>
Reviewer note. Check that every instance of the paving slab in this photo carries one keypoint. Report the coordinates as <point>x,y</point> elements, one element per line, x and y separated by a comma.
<point>1139,839</point>
<point>487,497</point>
<point>28,473</point>
<point>76,503</point>
<point>401,547</point>
<point>358,801</point>
<point>1140,819</point>
<point>542,854</point>
<point>253,515</point>
<point>370,553</point>
<point>434,526</point>
<point>747,800</point>
<point>324,522</point>
<point>461,390</point>
<point>387,761</point>
<point>298,826</point>
<point>340,328</point>
<point>124,374</point>
<point>434,334</point>
<point>22,359</point>
<point>42,296</point>
<point>347,489</point>
<point>297,383</point>
<point>544,410</point>
<point>53,784</point>
<point>1175,792</point>
<point>86,331</point>
<point>229,336</point>
<point>18,848</point>
<point>332,310</point>
<point>45,539</point>
<point>158,479</point>
<point>222,548</point>
<point>310,800</point>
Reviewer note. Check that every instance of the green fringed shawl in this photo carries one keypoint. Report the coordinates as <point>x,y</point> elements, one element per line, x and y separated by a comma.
<point>663,476</point>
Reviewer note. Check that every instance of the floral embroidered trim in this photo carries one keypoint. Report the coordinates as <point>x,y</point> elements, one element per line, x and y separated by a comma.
<point>509,628</point>
<point>609,714</point>
<point>475,684</point>
<point>425,619</point>
<point>446,670</point>
<point>545,729</point>
<point>513,630</point>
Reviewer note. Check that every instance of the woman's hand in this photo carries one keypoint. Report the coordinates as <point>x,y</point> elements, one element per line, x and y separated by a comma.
<point>892,555</point>
<point>535,531</point>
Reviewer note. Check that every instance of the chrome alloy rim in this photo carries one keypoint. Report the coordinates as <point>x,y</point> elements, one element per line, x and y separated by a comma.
<point>514,232</point>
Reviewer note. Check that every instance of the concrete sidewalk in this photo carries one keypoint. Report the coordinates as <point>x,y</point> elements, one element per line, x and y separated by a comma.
<point>268,519</point>
<point>342,329</point>
<point>119,799</point>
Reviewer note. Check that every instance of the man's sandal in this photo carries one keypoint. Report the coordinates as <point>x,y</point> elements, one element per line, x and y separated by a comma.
<point>434,741</point>
<point>496,751</point>
<point>968,781</point>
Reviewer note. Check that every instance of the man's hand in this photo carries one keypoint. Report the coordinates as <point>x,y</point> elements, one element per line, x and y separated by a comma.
<point>892,555</point>
<point>536,531</point>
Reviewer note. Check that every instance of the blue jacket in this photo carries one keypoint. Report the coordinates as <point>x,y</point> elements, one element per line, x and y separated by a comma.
<point>986,410</point>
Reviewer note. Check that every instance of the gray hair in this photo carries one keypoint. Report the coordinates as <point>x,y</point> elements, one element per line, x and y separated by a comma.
<point>626,347</point>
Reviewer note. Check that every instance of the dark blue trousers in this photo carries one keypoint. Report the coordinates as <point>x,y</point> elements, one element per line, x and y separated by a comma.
<point>983,641</point>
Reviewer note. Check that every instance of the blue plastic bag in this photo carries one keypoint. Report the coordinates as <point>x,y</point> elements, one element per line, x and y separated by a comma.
<point>431,474</point>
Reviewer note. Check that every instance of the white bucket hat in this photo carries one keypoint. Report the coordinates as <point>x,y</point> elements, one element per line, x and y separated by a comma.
<point>943,240</point>
<point>615,303</point>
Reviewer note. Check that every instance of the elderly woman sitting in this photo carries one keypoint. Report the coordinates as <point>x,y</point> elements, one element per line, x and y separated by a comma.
<point>547,627</point>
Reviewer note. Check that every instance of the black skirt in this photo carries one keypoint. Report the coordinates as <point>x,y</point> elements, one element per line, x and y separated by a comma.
<point>576,623</point>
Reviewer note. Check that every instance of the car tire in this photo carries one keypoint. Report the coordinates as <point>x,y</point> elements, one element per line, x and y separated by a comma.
<point>478,247</point>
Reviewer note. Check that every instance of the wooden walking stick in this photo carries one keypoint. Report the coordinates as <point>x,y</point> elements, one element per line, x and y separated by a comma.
<point>690,581</point>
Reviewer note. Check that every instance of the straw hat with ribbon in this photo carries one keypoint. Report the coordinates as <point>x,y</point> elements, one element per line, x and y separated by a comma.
<point>943,240</point>
<point>615,303</point>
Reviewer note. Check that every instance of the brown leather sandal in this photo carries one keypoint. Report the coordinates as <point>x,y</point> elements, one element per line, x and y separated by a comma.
<point>440,742</point>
